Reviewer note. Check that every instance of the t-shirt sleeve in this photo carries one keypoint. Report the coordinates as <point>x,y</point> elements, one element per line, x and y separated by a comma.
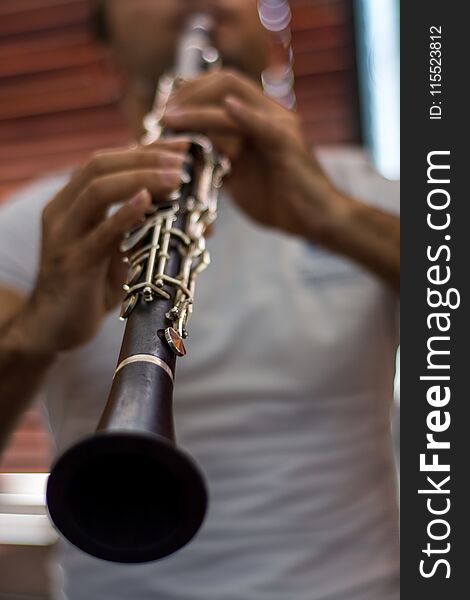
<point>353,173</point>
<point>20,233</point>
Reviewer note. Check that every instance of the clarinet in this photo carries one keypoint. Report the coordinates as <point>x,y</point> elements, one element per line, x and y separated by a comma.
<point>127,493</point>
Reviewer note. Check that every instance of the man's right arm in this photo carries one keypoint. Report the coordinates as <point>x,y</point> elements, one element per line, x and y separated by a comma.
<point>80,273</point>
<point>23,363</point>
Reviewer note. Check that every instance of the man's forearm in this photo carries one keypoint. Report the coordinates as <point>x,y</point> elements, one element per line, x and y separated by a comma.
<point>365,234</point>
<point>23,365</point>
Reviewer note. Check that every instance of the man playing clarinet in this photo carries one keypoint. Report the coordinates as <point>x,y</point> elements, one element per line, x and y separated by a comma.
<point>285,394</point>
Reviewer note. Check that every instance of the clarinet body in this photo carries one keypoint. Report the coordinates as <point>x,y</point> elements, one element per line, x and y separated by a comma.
<point>127,493</point>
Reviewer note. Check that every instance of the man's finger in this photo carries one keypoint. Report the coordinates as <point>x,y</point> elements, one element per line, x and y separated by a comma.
<point>103,192</point>
<point>227,145</point>
<point>261,127</point>
<point>201,120</point>
<point>168,154</point>
<point>212,89</point>
<point>179,144</point>
<point>104,238</point>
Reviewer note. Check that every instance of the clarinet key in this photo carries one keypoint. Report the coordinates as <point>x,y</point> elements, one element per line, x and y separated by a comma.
<point>128,306</point>
<point>175,341</point>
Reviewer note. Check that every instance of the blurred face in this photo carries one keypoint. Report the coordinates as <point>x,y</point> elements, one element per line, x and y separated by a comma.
<point>145,33</point>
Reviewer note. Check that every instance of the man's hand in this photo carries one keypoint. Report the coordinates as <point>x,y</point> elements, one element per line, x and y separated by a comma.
<point>275,177</point>
<point>81,271</point>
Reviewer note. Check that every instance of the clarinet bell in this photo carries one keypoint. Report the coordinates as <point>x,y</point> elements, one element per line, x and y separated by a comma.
<point>128,493</point>
<point>126,497</point>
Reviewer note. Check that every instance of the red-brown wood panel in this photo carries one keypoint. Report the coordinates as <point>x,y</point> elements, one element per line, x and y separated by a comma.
<point>58,102</point>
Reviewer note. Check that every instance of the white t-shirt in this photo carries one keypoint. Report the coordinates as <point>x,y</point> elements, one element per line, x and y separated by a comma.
<point>284,399</point>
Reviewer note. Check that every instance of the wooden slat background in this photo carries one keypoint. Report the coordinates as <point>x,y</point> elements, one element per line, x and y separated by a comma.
<point>58,102</point>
